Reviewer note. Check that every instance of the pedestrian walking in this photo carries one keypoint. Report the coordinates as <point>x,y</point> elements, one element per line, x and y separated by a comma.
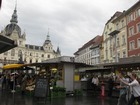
<point>122,87</point>
<point>135,88</point>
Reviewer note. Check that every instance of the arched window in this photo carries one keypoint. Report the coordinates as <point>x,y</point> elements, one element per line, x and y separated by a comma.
<point>12,52</point>
<point>25,60</point>
<point>48,56</point>
<point>30,60</point>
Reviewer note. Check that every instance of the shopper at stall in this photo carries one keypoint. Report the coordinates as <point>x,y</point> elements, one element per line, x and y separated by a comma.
<point>110,86</point>
<point>122,87</point>
<point>135,88</point>
<point>95,83</point>
<point>1,81</point>
<point>12,83</point>
<point>24,84</point>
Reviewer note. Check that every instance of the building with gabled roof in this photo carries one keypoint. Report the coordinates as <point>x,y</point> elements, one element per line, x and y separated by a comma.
<point>89,53</point>
<point>29,53</point>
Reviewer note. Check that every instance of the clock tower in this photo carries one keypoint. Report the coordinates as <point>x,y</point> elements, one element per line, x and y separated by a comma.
<point>47,46</point>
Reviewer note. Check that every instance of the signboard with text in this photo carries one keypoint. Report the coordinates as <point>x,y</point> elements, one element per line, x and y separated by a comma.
<point>41,87</point>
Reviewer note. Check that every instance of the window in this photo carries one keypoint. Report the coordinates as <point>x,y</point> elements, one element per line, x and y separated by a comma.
<point>20,42</point>
<point>110,29</point>
<point>118,56</point>
<point>19,53</point>
<point>132,45</point>
<point>124,54</point>
<point>138,12</point>
<point>139,27</point>
<point>111,52</point>
<point>130,17</point>
<point>106,54</point>
<point>48,56</point>
<point>105,35</point>
<point>138,43</point>
<point>12,52</point>
<point>108,26</point>
<point>122,23</point>
<point>30,54</point>
<point>36,54</point>
<point>30,60</point>
<point>118,42</point>
<point>25,60</point>
<point>131,31</point>
<point>117,26</point>
<point>123,40</point>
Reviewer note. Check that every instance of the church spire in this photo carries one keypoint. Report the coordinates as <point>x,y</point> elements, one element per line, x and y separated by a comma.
<point>58,50</point>
<point>14,16</point>
<point>48,36</point>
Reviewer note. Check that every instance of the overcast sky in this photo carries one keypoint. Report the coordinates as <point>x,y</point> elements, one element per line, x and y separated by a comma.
<point>72,23</point>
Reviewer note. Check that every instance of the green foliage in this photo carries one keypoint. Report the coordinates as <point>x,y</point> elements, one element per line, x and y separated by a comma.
<point>59,89</point>
<point>78,92</point>
<point>58,92</point>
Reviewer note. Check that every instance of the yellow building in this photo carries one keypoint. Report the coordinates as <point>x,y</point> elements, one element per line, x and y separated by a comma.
<point>109,41</point>
<point>120,50</point>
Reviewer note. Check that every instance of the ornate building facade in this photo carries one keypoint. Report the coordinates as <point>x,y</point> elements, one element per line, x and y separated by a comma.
<point>29,53</point>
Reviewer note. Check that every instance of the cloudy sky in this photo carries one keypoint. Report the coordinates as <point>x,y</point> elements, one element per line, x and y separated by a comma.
<point>72,23</point>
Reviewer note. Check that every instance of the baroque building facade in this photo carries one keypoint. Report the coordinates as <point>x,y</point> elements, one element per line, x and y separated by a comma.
<point>29,53</point>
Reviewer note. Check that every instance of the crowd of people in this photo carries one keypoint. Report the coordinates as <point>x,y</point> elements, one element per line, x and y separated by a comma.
<point>127,85</point>
<point>130,88</point>
<point>15,80</point>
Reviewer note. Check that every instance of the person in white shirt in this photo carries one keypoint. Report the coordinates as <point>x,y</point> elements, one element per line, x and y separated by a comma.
<point>95,83</point>
<point>135,89</point>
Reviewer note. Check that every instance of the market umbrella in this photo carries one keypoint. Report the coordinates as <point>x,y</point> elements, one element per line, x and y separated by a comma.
<point>12,66</point>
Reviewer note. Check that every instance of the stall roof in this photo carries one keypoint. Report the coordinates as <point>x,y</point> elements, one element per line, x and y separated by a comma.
<point>6,44</point>
<point>98,70</point>
<point>53,63</point>
<point>59,60</point>
<point>125,62</point>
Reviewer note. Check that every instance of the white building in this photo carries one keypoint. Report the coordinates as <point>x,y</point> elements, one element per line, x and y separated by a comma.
<point>89,53</point>
<point>29,53</point>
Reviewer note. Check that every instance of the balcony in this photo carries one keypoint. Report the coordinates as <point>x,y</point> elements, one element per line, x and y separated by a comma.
<point>114,33</point>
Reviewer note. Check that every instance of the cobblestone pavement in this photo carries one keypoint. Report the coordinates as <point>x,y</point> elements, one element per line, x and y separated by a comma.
<point>8,98</point>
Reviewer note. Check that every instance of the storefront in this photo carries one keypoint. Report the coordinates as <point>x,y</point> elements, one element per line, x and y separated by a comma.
<point>126,65</point>
<point>63,70</point>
